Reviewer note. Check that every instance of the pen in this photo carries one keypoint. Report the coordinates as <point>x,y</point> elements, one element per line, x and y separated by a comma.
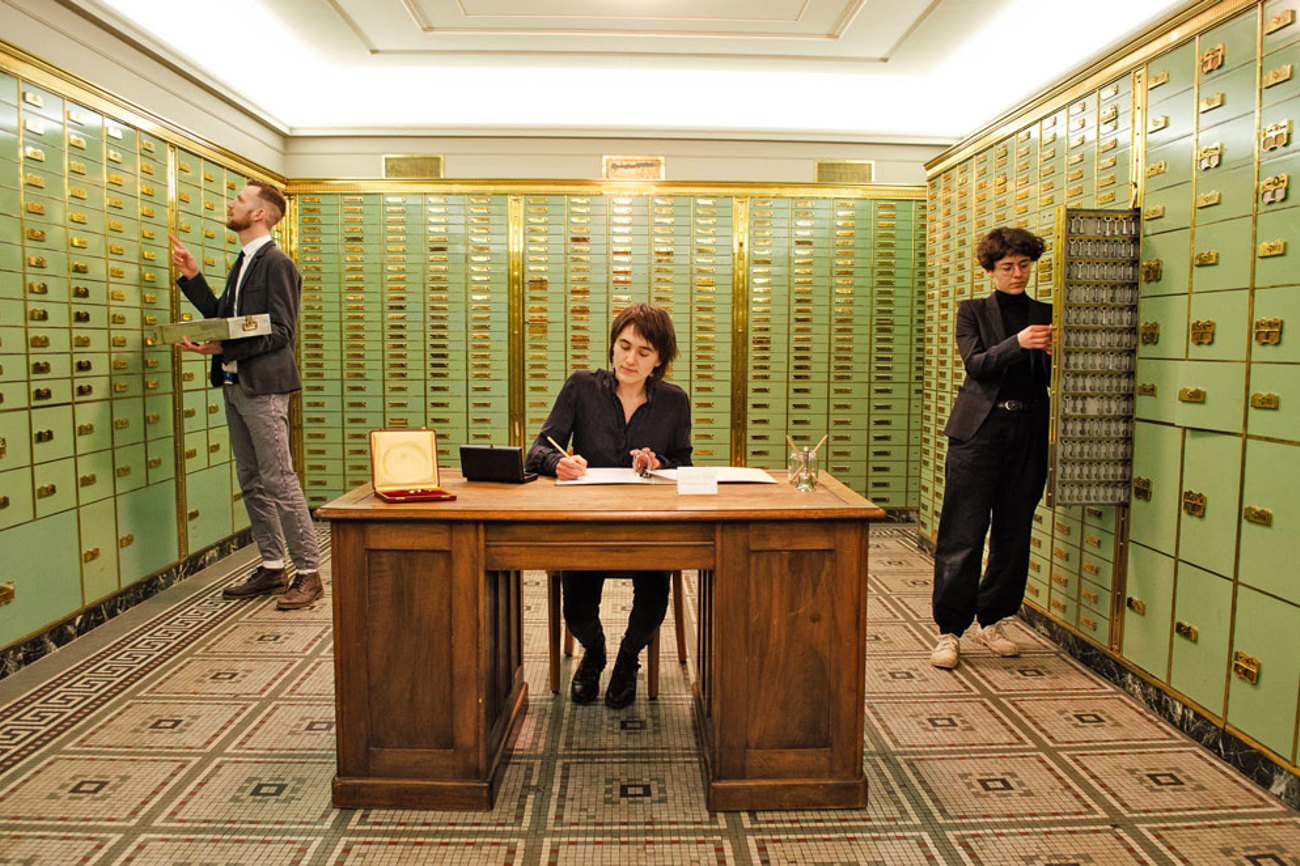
<point>557,446</point>
<point>821,443</point>
<point>793,447</point>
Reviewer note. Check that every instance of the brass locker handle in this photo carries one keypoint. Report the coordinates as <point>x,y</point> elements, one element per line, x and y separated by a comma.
<point>1137,605</point>
<point>1258,516</point>
<point>1245,667</point>
<point>1089,596</point>
<point>1186,630</point>
<point>90,555</point>
<point>1142,489</point>
<point>1268,332</point>
<point>88,480</point>
<point>1265,401</point>
<point>193,515</point>
<point>1089,624</point>
<point>1194,503</point>
<point>126,541</point>
<point>1277,22</point>
<point>1057,604</point>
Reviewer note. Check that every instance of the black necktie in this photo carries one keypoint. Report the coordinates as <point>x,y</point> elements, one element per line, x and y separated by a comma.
<point>234,287</point>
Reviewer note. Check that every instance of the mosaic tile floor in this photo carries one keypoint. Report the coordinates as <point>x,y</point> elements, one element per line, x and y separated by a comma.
<point>195,730</point>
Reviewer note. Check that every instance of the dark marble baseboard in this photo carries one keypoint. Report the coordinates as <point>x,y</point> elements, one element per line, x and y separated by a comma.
<point>1280,780</point>
<point>22,654</point>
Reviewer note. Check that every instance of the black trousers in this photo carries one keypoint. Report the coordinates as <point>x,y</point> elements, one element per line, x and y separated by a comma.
<point>582,591</point>
<point>996,476</point>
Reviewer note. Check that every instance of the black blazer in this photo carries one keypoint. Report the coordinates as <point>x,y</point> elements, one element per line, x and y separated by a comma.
<point>271,285</point>
<point>987,350</point>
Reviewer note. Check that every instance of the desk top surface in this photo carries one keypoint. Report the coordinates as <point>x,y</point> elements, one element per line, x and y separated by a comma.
<point>543,500</point>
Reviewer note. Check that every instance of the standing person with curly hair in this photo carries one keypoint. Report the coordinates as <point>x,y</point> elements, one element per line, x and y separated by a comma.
<point>997,451</point>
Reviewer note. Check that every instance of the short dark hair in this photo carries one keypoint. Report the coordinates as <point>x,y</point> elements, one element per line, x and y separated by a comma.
<point>272,200</point>
<point>1003,242</point>
<point>655,326</point>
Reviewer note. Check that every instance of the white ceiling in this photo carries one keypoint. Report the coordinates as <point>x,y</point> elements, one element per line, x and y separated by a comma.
<point>925,71</point>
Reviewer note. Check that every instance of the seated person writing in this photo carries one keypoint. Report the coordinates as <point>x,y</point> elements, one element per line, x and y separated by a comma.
<point>624,416</point>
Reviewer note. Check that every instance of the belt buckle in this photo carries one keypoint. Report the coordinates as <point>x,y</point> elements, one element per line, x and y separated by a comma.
<point>229,379</point>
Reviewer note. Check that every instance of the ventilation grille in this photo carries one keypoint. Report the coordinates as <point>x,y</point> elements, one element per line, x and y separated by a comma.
<point>845,171</point>
<point>633,167</point>
<point>414,167</point>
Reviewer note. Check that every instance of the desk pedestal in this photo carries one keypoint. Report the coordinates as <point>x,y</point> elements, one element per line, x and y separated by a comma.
<point>429,667</point>
<point>782,639</point>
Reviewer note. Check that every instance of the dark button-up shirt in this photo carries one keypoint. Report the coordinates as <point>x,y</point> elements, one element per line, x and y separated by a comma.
<point>588,409</point>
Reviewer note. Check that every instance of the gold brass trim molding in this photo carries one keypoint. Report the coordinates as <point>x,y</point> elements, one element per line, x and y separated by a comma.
<point>1176,28</point>
<point>739,329</point>
<point>542,186</point>
<point>29,67</point>
<point>516,350</point>
<point>178,378</point>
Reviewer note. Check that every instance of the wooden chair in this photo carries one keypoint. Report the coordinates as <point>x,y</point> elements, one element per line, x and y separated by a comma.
<point>554,615</point>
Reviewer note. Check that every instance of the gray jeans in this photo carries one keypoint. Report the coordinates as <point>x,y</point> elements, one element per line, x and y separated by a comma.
<point>277,509</point>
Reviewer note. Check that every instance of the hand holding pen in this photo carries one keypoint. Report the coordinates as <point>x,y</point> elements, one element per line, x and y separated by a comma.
<point>571,466</point>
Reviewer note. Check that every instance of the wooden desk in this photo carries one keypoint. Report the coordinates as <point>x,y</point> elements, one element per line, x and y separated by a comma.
<point>428,653</point>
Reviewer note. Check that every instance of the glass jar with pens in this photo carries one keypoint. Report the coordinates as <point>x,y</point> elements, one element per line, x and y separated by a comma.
<point>802,466</point>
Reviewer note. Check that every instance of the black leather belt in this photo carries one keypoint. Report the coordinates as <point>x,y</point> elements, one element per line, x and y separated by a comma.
<point>1014,406</point>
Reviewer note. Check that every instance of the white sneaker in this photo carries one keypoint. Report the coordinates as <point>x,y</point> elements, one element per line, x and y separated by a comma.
<point>995,638</point>
<point>945,652</point>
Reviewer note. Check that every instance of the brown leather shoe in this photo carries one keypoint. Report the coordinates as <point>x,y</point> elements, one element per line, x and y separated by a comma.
<point>306,588</point>
<point>263,581</point>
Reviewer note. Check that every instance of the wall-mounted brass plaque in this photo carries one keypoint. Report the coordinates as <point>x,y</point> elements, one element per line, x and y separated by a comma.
<point>632,167</point>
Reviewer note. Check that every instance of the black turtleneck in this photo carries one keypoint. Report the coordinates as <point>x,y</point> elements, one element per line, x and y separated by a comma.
<point>1019,381</point>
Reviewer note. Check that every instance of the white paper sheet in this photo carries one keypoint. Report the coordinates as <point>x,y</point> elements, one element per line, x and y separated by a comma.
<point>616,475</point>
<point>624,475</point>
<point>729,475</point>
